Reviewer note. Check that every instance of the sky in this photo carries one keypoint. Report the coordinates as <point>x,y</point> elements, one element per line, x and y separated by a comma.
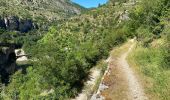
<point>90,3</point>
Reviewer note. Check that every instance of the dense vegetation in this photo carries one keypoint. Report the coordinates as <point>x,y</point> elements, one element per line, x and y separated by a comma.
<point>40,10</point>
<point>62,57</point>
<point>150,23</point>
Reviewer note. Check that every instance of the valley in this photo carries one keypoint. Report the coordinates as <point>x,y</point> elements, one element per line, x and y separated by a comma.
<point>57,50</point>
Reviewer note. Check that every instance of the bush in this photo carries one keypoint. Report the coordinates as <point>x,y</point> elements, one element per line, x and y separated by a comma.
<point>151,63</point>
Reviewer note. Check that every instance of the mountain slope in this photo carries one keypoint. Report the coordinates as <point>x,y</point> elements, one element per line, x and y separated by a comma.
<point>65,55</point>
<point>47,9</point>
<point>27,15</point>
<point>61,58</point>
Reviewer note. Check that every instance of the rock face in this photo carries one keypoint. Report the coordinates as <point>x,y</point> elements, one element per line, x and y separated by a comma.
<point>26,25</point>
<point>7,62</point>
<point>2,23</point>
<point>21,54</point>
<point>16,24</point>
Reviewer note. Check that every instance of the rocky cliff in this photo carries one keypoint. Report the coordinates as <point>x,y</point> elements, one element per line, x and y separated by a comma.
<point>7,61</point>
<point>15,23</point>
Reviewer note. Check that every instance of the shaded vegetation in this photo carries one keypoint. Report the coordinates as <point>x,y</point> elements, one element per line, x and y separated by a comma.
<point>150,22</point>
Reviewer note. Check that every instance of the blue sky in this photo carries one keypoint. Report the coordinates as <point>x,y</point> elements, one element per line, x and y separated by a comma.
<point>90,3</point>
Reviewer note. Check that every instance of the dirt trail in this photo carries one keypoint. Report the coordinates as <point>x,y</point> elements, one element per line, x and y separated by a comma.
<point>135,89</point>
<point>120,78</point>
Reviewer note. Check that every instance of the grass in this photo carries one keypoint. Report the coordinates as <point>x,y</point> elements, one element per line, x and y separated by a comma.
<point>117,51</point>
<point>155,79</point>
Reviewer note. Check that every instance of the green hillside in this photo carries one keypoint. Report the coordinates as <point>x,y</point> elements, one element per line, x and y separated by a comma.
<point>30,19</point>
<point>61,57</point>
<point>36,9</point>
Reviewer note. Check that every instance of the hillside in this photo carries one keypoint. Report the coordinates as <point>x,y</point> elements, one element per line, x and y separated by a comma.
<point>23,19</point>
<point>40,9</point>
<point>60,58</point>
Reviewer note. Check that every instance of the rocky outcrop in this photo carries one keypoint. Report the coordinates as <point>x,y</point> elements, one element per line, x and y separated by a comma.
<point>2,23</point>
<point>16,24</point>
<point>21,54</point>
<point>7,62</point>
<point>12,23</point>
